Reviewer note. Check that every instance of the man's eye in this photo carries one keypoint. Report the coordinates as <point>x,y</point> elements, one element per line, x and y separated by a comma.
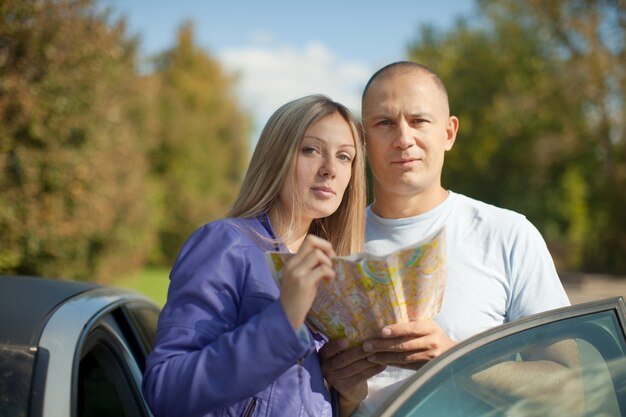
<point>384,123</point>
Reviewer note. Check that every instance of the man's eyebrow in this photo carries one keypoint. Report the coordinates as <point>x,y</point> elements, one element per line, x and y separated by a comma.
<point>386,114</point>
<point>422,114</point>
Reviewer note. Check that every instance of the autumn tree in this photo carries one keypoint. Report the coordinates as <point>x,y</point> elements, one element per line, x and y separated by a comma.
<point>589,38</point>
<point>73,169</point>
<point>201,142</point>
<point>539,90</point>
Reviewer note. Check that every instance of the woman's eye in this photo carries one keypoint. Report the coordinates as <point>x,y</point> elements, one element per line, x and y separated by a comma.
<point>345,157</point>
<point>307,150</point>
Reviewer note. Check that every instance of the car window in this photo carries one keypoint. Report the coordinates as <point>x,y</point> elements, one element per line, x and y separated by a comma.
<point>138,322</point>
<point>97,395</point>
<point>574,366</point>
<point>105,386</point>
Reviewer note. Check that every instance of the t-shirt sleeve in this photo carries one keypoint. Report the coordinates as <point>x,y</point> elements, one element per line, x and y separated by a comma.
<point>535,284</point>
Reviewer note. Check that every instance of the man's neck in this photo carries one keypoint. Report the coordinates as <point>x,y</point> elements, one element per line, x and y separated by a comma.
<point>398,206</point>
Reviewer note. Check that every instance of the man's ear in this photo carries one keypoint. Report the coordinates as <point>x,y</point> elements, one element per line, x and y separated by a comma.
<point>451,128</point>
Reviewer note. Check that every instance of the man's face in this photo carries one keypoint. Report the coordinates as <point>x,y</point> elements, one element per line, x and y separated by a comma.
<point>407,130</point>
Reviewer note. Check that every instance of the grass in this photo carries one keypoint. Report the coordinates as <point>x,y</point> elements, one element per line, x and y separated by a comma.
<point>152,282</point>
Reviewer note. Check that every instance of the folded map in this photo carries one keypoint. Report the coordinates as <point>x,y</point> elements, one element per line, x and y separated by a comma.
<point>370,292</point>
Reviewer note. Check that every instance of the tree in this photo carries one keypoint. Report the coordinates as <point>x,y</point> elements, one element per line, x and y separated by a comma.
<point>72,182</point>
<point>533,135</point>
<point>590,40</point>
<point>201,142</point>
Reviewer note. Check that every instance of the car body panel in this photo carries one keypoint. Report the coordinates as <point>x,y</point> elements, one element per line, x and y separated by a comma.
<point>25,303</point>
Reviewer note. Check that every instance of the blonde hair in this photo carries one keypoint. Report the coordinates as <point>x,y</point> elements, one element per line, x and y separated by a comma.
<point>272,161</point>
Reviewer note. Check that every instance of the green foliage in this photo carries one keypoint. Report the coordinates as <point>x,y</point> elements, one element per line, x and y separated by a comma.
<point>71,186</point>
<point>101,168</point>
<point>201,148</point>
<point>540,97</point>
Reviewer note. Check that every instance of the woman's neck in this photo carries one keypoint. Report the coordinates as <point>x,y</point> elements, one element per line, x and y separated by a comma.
<point>293,238</point>
<point>294,244</point>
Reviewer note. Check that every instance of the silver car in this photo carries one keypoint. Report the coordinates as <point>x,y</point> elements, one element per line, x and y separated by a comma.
<point>72,349</point>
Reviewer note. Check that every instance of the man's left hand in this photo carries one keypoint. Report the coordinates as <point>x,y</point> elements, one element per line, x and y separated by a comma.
<point>408,345</point>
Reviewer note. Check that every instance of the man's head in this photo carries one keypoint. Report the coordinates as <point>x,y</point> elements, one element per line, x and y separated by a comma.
<point>408,129</point>
<point>401,67</point>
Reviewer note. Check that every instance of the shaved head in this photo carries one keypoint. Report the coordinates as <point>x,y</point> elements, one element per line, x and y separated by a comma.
<point>404,67</point>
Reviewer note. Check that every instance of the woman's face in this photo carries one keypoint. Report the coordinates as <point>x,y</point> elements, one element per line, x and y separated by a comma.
<point>323,167</point>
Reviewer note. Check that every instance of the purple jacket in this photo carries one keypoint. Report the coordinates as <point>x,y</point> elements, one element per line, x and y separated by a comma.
<point>224,345</point>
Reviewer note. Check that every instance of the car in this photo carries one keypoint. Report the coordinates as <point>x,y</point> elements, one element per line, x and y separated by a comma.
<point>450,385</point>
<point>78,349</point>
<point>72,348</point>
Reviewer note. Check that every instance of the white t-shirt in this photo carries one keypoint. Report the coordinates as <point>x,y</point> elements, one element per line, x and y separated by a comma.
<point>499,267</point>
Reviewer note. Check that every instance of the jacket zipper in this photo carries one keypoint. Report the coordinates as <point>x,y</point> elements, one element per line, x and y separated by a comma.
<point>250,408</point>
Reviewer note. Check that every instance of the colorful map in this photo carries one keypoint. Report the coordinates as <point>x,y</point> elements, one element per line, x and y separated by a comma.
<point>370,292</point>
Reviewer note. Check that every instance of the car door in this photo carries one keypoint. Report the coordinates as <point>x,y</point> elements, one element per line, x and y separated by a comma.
<point>529,378</point>
<point>94,345</point>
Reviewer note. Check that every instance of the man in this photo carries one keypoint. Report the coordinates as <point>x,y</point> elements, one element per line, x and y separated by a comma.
<point>499,268</point>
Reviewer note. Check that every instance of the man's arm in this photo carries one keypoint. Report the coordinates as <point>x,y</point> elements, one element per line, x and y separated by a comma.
<point>549,375</point>
<point>347,370</point>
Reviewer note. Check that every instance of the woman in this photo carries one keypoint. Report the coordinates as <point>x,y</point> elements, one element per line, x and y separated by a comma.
<point>229,342</point>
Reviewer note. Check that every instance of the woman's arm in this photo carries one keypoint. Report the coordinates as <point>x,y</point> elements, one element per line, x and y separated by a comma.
<point>204,359</point>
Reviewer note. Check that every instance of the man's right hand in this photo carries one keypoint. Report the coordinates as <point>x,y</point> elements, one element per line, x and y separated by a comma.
<point>347,370</point>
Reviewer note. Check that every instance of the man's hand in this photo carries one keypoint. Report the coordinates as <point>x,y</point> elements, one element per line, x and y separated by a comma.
<point>408,345</point>
<point>347,370</point>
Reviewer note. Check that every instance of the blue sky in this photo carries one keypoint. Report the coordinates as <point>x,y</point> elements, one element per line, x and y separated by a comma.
<point>284,49</point>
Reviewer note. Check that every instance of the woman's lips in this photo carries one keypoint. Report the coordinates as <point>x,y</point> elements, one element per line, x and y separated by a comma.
<point>325,192</point>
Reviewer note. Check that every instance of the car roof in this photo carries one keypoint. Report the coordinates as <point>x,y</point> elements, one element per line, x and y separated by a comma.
<point>26,302</point>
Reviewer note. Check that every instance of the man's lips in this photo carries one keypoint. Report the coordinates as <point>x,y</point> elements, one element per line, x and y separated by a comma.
<point>405,161</point>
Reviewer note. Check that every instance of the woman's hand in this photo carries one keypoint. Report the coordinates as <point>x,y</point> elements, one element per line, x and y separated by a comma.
<point>303,273</point>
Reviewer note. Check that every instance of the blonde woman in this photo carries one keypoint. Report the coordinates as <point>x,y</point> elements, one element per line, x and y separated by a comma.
<point>230,342</point>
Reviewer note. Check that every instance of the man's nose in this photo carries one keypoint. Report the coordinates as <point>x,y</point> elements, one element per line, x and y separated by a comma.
<point>404,135</point>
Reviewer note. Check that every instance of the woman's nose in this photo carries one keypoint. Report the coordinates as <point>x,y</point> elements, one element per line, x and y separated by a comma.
<point>327,170</point>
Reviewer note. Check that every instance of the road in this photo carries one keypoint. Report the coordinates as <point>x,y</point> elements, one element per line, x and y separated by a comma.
<point>588,287</point>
